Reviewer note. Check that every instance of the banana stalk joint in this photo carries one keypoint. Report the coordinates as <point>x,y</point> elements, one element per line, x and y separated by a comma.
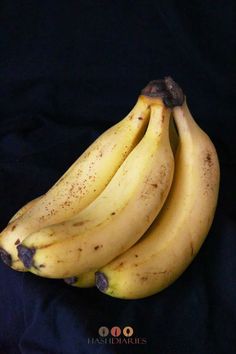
<point>167,89</point>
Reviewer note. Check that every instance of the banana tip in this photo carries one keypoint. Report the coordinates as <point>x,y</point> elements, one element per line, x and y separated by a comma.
<point>5,257</point>
<point>26,255</point>
<point>101,281</point>
<point>70,280</point>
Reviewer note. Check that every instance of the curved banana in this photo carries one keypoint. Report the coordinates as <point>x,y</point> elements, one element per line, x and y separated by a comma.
<point>24,209</point>
<point>177,234</point>
<point>81,184</point>
<point>85,280</point>
<point>115,220</point>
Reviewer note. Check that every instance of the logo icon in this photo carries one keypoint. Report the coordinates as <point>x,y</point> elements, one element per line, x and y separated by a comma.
<point>103,331</point>
<point>128,331</point>
<point>115,331</point>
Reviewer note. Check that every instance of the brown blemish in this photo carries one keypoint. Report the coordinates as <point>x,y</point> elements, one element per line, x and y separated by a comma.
<point>80,249</point>
<point>154,185</point>
<point>17,241</point>
<point>140,118</point>
<point>162,194</point>
<point>42,266</point>
<point>45,246</point>
<point>136,255</point>
<point>120,265</point>
<point>35,267</point>
<point>113,213</point>
<point>80,223</point>
<point>13,227</point>
<point>192,249</point>
<point>144,278</point>
<point>59,261</point>
<point>208,159</point>
<point>97,247</point>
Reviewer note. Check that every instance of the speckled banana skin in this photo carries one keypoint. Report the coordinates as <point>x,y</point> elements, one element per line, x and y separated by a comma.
<point>80,185</point>
<point>175,237</point>
<point>118,217</point>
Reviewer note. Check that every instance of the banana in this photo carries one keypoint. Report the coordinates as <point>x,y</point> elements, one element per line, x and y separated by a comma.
<point>85,280</point>
<point>118,217</point>
<point>24,209</point>
<point>80,185</point>
<point>175,237</point>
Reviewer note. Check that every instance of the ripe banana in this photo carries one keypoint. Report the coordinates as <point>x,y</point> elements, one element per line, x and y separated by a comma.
<point>87,280</point>
<point>80,185</point>
<point>118,217</point>
<point>175,237</point>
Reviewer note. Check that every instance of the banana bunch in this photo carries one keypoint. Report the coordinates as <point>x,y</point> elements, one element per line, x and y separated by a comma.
<point>132,212</point>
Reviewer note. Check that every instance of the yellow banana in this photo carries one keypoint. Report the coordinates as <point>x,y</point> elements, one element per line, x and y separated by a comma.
<point>87,280</point>
<point>80,185</point>
<point>177,234</point>
<point>117,218</point>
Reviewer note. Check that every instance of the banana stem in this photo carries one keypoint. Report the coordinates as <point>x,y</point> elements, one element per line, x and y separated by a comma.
<point>168,90</point>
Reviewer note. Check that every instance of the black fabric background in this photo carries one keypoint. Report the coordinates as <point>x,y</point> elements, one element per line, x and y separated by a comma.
<point>69,70</point>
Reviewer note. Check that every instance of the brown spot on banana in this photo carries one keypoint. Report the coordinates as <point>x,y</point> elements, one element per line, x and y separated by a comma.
<point>191,249</point>
<point>144,278</point>
<point>80,223</point>
<point>208,159</point>
<point>97,247</point>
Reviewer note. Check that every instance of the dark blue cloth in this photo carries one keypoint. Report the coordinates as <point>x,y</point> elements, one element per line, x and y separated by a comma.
<point>69,70</point>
